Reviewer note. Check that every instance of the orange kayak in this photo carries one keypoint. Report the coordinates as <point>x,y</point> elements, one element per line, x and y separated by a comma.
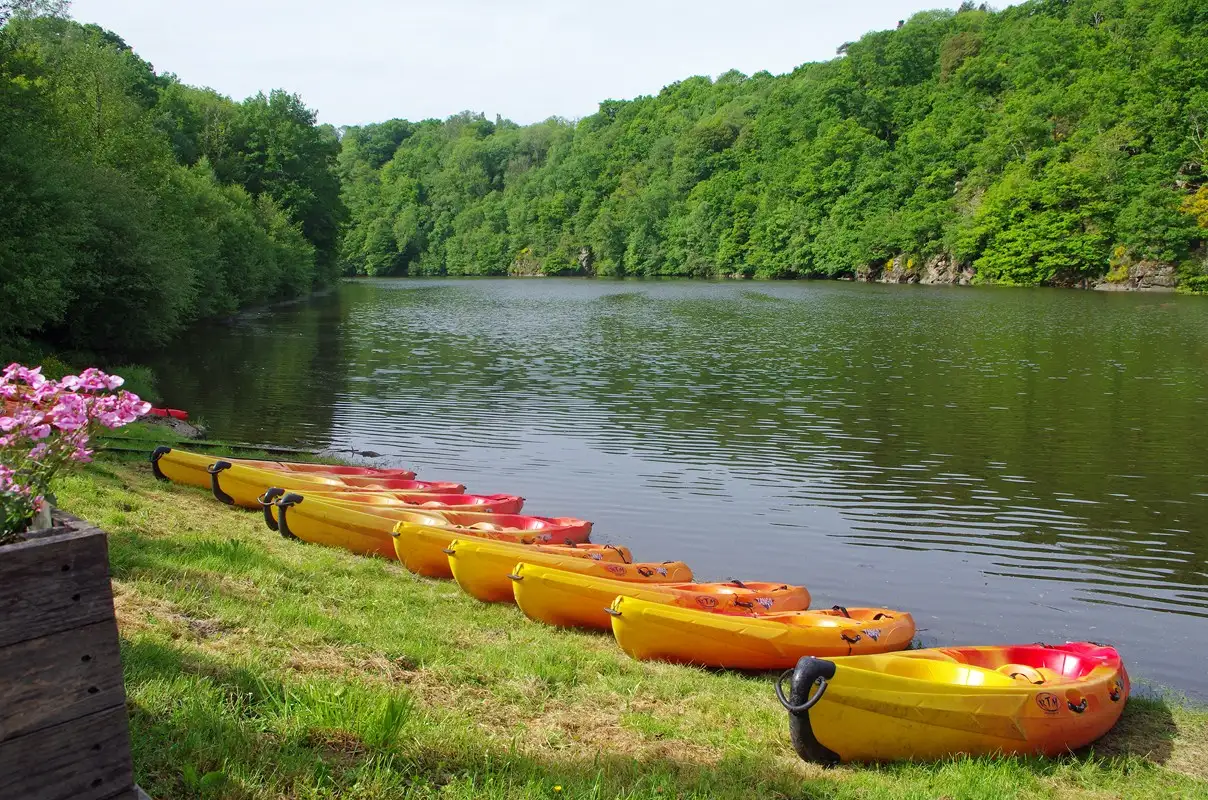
<point>656,631</point>
<point>570,600</point>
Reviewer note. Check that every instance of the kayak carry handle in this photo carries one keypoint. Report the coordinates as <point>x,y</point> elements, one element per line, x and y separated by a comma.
<point>449,551</point>
<point>800,700</point>
<point>1079,708</point>
<point>290,499</point>
<point>266,502</point>
<point>515,577</point>
<point>156,455</point>
<point>842,610</point>
<point>612,612</point>
<point>219,495</point>
<point>738,583</point>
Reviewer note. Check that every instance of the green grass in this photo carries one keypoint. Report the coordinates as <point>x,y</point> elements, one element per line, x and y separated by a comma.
<point>262,668</point>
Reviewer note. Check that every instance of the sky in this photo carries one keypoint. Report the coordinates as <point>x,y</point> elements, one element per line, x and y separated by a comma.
<point>360,61</point>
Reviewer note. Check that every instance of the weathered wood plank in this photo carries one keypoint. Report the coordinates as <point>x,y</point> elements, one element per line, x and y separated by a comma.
<point>85,759</point>
<point>59,677</point>
<point>54,583</point>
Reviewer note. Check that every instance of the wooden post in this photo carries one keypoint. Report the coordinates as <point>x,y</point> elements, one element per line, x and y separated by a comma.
<point>64,732</point>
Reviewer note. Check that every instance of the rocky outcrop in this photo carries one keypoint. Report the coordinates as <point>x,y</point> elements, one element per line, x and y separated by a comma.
<point>1143,276</point>
<point>944,270</point>
<point>940,269</point>
<point>586,261</point>
<point>896,270</point>
<point>525,265</point>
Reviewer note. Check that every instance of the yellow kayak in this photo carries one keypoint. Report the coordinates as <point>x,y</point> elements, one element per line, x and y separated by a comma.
<point>482,568</point>
<point>571,600</point>
<point>422,548</point>
<point>191,468</point>
<point>237,484</point>
<point>655,631</point>
<point>932,704</point>
<point>366,529</point>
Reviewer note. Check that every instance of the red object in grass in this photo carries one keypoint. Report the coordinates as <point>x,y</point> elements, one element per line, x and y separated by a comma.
<point>174,413</point>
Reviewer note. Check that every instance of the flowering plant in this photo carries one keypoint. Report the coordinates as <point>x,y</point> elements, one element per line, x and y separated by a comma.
<point>46,425</point>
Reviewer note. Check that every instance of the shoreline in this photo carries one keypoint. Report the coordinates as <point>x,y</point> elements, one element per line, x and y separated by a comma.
<point>1101,286</point>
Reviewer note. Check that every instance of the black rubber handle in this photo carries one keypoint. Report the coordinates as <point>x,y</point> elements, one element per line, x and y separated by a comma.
<point>283,506</point>
<point>266,503</point>
<point>214,469</point>
<point>809,670</point>
<point>156,455</point>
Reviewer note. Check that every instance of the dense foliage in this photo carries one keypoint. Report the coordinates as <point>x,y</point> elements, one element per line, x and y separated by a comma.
<point>1054,142</point>
<point>134,205</point>
<point>1043,143</point>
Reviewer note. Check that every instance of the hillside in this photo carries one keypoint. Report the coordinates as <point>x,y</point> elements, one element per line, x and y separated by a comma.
<point>1057,142</point>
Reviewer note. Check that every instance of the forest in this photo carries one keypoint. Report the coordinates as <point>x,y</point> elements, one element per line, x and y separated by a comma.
<point>1055,142</point>
<point>134,205</point>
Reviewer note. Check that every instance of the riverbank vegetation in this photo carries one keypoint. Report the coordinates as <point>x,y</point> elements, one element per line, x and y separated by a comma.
<point>262,668</point>
<point>134,205</point>
<point>1056,141</point>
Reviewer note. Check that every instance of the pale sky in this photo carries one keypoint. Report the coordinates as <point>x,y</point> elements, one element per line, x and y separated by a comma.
<point>359,61</point>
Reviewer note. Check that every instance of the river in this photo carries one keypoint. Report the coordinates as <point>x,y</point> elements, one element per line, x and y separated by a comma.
<point>1010,465</point>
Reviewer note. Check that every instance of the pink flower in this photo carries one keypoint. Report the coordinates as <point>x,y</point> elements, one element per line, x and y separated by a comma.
<point>39,451</point>
<point>30,377</point>
<point>44,392</point>
<point>70,413</point>
<point>38,431</point>
<point>7,423</point>
<point>92,380</point>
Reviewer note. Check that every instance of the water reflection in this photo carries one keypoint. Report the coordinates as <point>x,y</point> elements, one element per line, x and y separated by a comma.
<point>1011,465</point>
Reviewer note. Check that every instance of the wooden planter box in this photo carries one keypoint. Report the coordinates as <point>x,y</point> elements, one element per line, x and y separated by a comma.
<point>64,732</point>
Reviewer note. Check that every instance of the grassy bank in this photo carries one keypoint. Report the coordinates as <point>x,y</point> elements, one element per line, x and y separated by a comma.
<point>262,668</point>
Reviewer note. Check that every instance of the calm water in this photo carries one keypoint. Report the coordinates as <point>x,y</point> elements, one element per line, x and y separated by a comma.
<point>1010,465</point>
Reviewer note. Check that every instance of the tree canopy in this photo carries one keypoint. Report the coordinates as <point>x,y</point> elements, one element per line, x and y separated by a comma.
<point>135,205</point>
<point>1030,144</point>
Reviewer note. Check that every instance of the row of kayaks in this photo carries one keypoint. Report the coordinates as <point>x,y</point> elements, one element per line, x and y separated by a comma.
<point>852,689</point>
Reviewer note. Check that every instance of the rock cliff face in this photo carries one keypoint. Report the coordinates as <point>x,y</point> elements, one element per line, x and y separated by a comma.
<point>945,270</point>
<point>524,265</point>
<point>1144,276</point>
<point>935,270</point>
